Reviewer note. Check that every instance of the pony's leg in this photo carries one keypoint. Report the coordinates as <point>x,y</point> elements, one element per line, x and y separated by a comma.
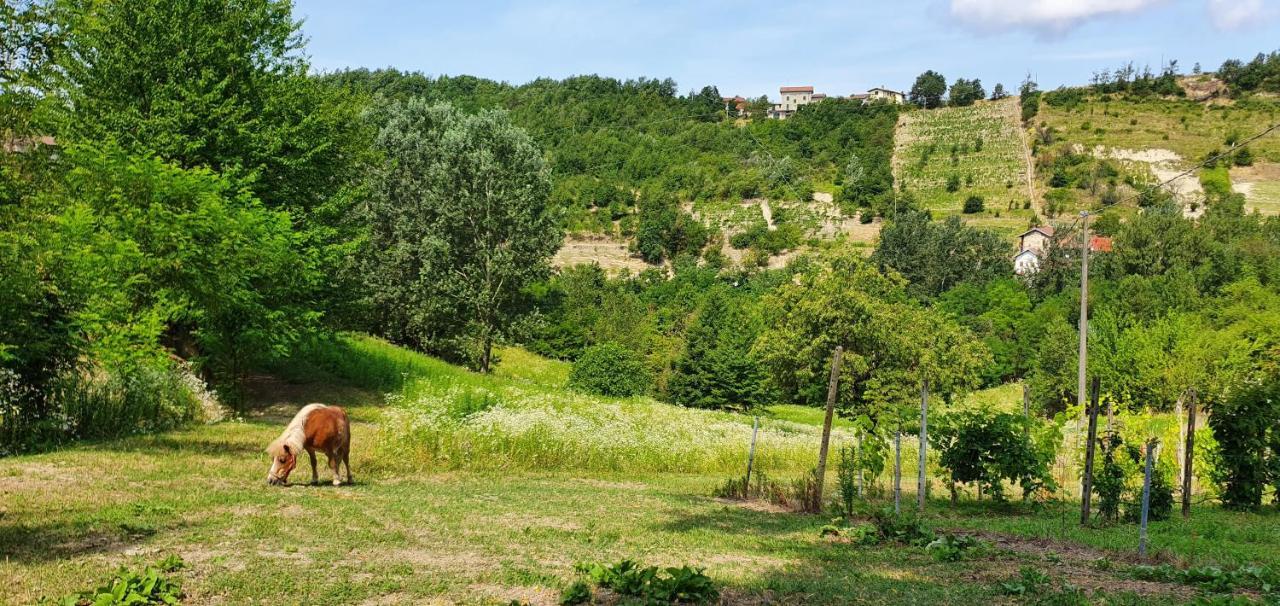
<point>315,477</point>
<point>333,465</point>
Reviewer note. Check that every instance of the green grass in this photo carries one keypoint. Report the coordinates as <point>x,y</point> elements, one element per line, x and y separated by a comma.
<point>1264,197</point>
<point>1190,129</point>
<point>479,534</point>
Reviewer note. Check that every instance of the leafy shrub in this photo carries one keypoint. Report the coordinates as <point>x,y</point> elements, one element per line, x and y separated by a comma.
<point>988,449</point>
<point>903,527</point>
<point>1245,427</point>
<point>1109,481</point>
<point>1029,581</point>
<point>609,369</point>
<point>683,585</point>
<point>953,183</point>
<point>847,478</point>
<point>973,204</point>
<point>577,593</point>
<point>1244,157</point>
<point>1213,578</point>
<point>132,588</point>
<point>954,548</point>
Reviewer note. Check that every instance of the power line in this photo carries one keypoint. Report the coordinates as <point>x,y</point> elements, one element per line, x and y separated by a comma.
<point>1207,162</point>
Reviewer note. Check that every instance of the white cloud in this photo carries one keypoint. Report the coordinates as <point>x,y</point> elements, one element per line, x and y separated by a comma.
<point>1054,16</point>
<point>1230,15</point>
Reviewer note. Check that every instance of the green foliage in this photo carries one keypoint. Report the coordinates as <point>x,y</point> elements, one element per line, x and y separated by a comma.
<point>1214,578</point>
<point>989,449</point>
<point>973,204</point>
<point>610,370</point>
<point>1262,73</point>
<point>579,592</point>
<point>717,369</point>
<point>888,340</point>
<point>639,136</point>
<point>1245,427</point>
<point>955,547</point>
<point>1029,98</point>
<point>1030,581</point>
<point>1110,478</point>
<point>928,90</point>
<point>459,224</point>
<point>683,585</point>
<point>935,256</point>
<point>964,92</point>
<point>129,587</point>
<point>847,469</point>
<point>905,528</point>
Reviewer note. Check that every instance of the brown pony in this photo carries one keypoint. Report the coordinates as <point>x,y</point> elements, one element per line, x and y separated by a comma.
<point>315,427</point>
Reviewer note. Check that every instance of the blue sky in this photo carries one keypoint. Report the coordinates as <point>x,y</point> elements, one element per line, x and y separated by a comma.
<point>751,48</point>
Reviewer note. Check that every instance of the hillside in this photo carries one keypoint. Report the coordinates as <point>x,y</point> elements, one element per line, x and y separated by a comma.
<point>947,155</point>
<point>1103,148</point>
<point>630,160</point>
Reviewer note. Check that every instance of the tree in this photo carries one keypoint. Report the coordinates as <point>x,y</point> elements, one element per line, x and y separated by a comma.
<point>936,256</point>
<point>224,86</point>
<point>928,90</point>
<point>890,343</point>
<point>460,222</point>
<point>998,92</point>
<point>965,92</point>
<point>716,369</point>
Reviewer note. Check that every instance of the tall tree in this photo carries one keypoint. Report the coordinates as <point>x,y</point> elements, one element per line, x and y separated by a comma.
<point>928,90</point>
<point>936,256</point>
<point>221,85</point>
<point>460,222</point>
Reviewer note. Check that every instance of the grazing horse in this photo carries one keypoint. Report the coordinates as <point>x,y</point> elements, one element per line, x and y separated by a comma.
<point>315,427</point>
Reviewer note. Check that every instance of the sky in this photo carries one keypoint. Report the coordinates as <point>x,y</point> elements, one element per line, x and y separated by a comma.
<point>751,48</point>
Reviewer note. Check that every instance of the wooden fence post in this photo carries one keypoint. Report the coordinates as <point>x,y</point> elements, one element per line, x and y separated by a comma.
<point>821,473</point>
<point>1146,500</point>
<point>1190,454</point>
<point>751,458</point>
<point>1086,485</point>
<point>921,486</point>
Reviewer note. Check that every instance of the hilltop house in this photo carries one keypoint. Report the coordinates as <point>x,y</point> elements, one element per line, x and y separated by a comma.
<point>793,97</point>
<point>1033,243</point>
<point>886,94</point>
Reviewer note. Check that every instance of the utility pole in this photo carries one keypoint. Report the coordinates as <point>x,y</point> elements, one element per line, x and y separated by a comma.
<point>1081,394</point>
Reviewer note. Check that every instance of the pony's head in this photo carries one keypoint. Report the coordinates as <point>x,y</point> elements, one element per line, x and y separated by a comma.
<point>283,460</point>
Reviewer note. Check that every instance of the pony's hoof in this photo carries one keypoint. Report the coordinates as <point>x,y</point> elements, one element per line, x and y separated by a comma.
<point>337,482</point>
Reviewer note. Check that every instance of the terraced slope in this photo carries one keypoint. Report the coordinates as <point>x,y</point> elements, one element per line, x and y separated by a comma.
<point>979,149</point>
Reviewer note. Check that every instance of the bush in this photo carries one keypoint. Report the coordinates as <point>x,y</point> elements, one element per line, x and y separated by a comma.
<point>128,587</point>
<point>973,204</point>
<point>988,449</point>
<point>1244,157</point>
<point>683,585</point>
<point>609,369</point>
<point>1245,429</point>
<point>953,183</point>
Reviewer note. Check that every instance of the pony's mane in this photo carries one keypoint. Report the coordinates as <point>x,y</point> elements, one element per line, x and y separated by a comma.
<point>295,433</point>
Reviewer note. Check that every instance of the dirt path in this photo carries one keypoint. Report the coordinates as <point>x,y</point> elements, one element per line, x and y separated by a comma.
<point>1013,113</point>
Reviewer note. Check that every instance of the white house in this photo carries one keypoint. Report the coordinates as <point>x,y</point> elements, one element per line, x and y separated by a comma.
<point>792,98</point>
<point>1033,243</point>
<point>886,94</point>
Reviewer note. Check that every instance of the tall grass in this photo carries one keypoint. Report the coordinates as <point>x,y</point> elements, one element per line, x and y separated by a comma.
<point>105,403</point>
<point>522,417</point>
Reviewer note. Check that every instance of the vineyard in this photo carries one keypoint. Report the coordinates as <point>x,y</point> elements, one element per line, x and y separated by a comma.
<point>948,156</point>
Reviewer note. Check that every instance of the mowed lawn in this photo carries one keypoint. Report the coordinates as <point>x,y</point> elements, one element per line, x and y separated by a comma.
<point>70,519</point>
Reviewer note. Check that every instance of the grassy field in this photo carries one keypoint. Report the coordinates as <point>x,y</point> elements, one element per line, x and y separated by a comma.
<point>446,531</point>
<point>1185,127</point>
<point>981,147</point>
